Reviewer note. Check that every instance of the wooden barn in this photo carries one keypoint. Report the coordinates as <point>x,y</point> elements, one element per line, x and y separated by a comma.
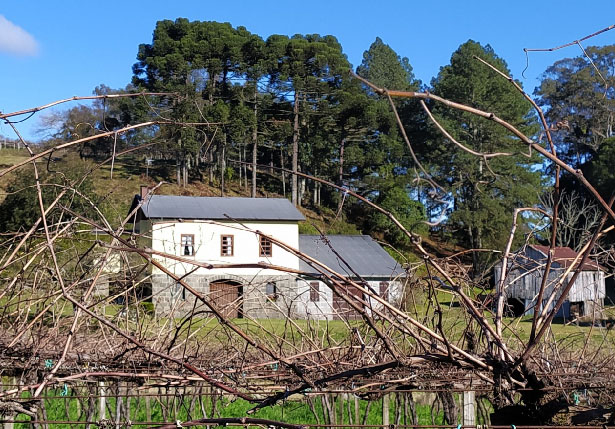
<point>524,277</point>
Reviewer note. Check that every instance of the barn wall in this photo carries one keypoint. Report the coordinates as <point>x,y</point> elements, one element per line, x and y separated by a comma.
<point>588,286</point>
<point>524,278</point>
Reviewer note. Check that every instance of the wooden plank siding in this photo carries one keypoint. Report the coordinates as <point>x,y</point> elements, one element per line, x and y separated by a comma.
<point>524,278</point>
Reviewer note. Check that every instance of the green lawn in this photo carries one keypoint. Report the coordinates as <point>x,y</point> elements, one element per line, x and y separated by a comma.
<point>9,157</point>
<point>187,406</point>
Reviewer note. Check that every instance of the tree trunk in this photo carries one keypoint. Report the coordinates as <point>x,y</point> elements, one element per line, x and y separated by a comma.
<point>293,181</point>
<point>211,168</point>
<point>245,168</point>
<point>254,146</point>
<point>240,152</point>
<point>222,167</point>
<point>313,409</point>
<point>342,144</point>
<point>301,191</point>
<point>91,407</point>
<point>283,172</point>
<point>366,413</point>
<point>325,409</point>
<point>315,191</point>
<point>185,174</point>
<point>410,402</point>
<point>449,407</point>
<point>118,405</point>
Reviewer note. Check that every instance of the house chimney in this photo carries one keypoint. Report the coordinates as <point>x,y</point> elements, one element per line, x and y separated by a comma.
<point>144,191</point>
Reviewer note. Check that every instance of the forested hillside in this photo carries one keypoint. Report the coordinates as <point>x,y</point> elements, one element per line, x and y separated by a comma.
<point>235,113</point>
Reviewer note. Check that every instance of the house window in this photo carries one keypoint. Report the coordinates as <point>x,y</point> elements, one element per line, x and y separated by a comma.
<point>187,241</point>
<point>314,291</point>
<point>226,245</point>
<point>178,292</point>
<point>265,247</point>
<point>271,290</point>
<point>384,290</point>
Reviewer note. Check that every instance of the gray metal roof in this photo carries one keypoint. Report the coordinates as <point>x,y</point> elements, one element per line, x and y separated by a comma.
<point>366,257</point>
<point>217,208</point>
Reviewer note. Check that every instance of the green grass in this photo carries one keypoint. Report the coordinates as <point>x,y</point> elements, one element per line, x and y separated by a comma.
<point>269,331</point>
<point>516,331</point>
<point>184,407</point>
<point>9,157</point>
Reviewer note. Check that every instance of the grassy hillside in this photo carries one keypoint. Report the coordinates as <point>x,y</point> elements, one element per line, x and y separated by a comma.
<point>9,157</point>
<point>115,187</point>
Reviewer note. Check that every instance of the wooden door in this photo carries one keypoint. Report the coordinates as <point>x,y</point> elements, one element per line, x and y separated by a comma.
<point>226,296</point>
<point>343,310</point>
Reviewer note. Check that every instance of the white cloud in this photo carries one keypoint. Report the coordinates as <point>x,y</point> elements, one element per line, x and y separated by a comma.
<point>16,40</point>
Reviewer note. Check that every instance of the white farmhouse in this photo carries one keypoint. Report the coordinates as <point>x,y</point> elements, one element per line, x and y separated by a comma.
<point>230,236</point>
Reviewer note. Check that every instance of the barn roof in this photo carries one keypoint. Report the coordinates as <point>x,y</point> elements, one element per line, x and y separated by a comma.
<point>365,256</point>
<point>565,256</point>
<point>218,208</point>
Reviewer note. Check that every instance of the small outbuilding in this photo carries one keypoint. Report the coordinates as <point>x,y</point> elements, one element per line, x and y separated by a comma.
<point>358,257</point>
<point>524,277</point>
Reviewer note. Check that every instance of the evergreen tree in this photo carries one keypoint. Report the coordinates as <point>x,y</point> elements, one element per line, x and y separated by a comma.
<point>580,103</point>
<point>384,68</point>
<point>310,69</point>
<point>20,209</point>
<point>199,61</point>
<point>483,194</point>
<point>382,165</point>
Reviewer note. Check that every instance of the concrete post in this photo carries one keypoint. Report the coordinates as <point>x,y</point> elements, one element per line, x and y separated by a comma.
<point>469,408</point>
<point>385,409</point>
<point>102,401</point>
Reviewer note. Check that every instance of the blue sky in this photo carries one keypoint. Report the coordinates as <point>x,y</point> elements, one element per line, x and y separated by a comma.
<point>54,50</point>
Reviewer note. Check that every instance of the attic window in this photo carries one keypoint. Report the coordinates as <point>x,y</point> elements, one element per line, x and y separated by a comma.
<point>187,241</point>
<point>226,245</point>
<point>265,247</point>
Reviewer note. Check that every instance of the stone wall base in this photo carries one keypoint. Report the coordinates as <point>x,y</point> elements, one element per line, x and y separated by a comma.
<point>171,299</point>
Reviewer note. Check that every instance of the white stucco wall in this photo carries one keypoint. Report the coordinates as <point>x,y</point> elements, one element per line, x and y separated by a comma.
<point>394,292</point>
<point>307,309</point>
<point>323,308</point>
<point>166,237</point>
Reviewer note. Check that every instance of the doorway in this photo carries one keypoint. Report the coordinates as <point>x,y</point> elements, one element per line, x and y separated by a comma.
<point>227,296</point>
